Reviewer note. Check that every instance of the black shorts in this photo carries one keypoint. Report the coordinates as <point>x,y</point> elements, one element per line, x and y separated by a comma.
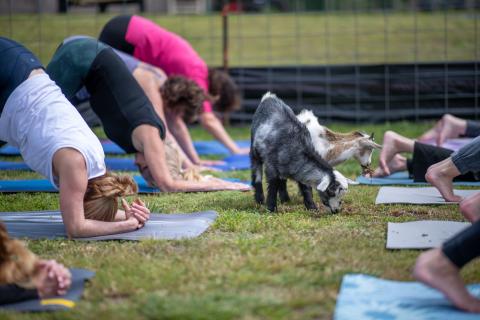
<point>424,156</point>
<point>115,32</point>
<point>16,64</point>
<point>118,100</point>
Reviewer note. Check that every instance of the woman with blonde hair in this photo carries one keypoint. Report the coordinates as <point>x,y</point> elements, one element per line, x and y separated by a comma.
<point>56,142</point>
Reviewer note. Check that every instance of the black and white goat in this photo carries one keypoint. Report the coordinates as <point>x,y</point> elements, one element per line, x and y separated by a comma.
<point>283,144</point>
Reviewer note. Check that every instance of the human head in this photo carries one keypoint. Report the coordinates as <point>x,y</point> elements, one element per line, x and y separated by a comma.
<point>17,263</point>
<point>101,199</point>
<point>223,90</point>
<point>142,165</point>
<point>182,96</point>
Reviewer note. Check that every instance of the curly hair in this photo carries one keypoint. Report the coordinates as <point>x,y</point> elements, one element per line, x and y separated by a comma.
<point>224,90</point>
<point>101,199</point>
<point>178,90</point>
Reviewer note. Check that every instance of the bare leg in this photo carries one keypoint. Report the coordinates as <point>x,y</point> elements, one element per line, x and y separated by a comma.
<point>436,270</point>
<point>393,143</point>
<point>446,128</point>
<point>440,175</point>
<point>398,163</point>
<point>470,207</point>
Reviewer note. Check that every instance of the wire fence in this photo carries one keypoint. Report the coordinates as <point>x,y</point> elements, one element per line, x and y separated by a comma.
<point>365,60</point>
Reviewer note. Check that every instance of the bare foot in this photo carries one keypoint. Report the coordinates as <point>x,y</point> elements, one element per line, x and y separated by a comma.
<point>393,143</point>
<point>435,270</point>
<point>470,207</point>
<point>441,175</point>
<point>448,127</point>
<point>398,163</point>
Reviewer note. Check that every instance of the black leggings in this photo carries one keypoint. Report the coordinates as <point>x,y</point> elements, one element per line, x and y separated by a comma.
<point>114,34</point>
<point>424,156</point>
<point>10,293</point>
<point>118,100</point>
<point>464,247</point>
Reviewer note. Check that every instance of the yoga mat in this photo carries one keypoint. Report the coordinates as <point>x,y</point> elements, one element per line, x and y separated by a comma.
<point>43,185</point>
<point>366,297</point>
<point>49,225</point>
<point>427,195</point>
<point>422,234</point>
<point>235,162</point>
<point>401,178</point>
<point>202,147</point>
<point>67,301</point>
<point>452,144</point>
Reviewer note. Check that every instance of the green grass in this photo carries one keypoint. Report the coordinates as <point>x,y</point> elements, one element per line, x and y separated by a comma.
<point>249,265</point>
<point>283,39</point>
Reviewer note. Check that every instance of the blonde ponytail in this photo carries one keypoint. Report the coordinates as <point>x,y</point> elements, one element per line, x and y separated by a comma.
<point>101,199</point>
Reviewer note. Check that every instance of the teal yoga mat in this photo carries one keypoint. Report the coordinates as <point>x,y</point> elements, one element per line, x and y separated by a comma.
<point>401,178</point>
<point>366,297</point>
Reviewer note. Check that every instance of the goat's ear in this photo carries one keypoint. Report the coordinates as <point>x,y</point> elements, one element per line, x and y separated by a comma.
<point>372,136</point>
<point>370,144</point>
<point>323,185</point>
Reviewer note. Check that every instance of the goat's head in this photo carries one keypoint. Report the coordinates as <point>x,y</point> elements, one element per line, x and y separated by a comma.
<point>332,192</point>
<point>363,154</point>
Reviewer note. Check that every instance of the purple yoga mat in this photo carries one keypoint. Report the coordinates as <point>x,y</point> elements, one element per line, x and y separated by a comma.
<point>452,144</point>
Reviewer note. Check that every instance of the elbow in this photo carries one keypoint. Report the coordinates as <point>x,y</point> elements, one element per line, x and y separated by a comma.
<point>167,185</point>
<point>74,231</point>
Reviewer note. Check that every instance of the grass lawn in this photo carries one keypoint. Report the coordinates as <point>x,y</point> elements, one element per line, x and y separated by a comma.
<point>249,265</point>
<point>283,39</point>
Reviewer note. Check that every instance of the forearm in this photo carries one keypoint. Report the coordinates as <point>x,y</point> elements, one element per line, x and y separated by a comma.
<point>93,228</point>
<point>182,135</point>
<point>11,293</point>
<point>213,125</point>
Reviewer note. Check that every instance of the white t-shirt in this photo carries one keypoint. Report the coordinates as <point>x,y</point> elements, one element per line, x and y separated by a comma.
<point>39,120</point>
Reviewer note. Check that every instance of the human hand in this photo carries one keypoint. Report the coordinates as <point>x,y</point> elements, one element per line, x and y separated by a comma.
<point>202,163</point>
<point>138,211</point>
<point>219,184</point>
<point>242,151</point>
<point>51,278</point>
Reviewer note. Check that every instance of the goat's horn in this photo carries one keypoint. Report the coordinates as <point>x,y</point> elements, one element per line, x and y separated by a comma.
<point>372,136</point>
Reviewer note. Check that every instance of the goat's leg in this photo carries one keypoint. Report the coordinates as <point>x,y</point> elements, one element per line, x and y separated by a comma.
<point>306,192</point>
<point>257,173</point>
<point>282,191</point>
<point>273,185</point>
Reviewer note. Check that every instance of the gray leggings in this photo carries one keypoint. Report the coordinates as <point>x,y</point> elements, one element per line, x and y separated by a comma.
<point>473,129</point>
<point>467,159</point>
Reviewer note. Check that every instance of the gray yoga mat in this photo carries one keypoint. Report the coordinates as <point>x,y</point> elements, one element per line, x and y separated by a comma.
<point>49,225</point>
<point>79,276</point>
<point>427,195</point>
<point>422,234</point>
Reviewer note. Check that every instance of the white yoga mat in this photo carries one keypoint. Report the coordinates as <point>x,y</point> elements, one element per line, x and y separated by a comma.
<point>427,195</point>
<point>422,234</point>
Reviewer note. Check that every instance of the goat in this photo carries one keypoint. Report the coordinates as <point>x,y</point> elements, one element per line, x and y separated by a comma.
<point>283,144</point>
<point>337,147</point>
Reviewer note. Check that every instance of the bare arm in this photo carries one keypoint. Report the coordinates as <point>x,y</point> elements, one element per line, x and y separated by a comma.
<point>147,140</point>
<point>70,167</point>
<point>211,123</point>
<point>151,84</point>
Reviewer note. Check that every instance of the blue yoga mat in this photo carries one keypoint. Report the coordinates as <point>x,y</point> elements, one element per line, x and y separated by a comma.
<point>366,297</point>
<point>235,162</point>
<point>401,178</point>
<point>202,147</point>
<point>43,185</point>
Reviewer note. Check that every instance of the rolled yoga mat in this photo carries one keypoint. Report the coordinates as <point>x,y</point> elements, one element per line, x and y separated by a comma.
<point>49,225</point>
<point>410,195</point>
<point>42,185</point>
<point>235,162</point>
<point>401,178</point>
<point>423,234</point>
<point>202,147</point>
<point>65,302</point>
<point>366,297</point>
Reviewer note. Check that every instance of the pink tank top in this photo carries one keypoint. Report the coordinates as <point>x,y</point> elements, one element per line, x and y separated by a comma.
<point>168,51</point>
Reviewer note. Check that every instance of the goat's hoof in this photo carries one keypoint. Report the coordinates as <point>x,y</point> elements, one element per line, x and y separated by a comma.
<point>272,209</point>
<point>312,207</point>
<point>285,200</point>
<point>259,200</point>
